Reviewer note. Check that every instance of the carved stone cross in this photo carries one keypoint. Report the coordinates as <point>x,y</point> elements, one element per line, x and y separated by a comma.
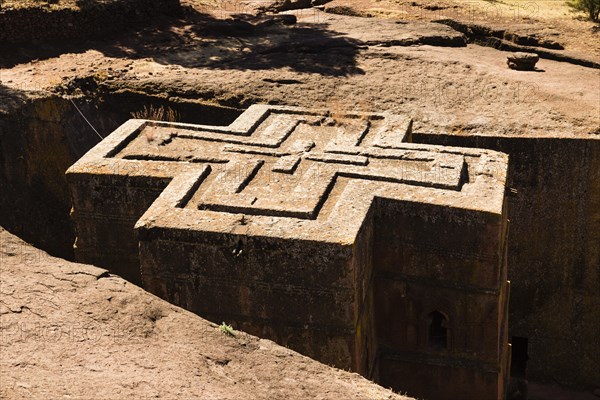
<point>333,235</point>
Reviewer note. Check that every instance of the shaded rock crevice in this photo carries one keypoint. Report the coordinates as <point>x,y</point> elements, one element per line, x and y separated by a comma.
<point>44,134</point>
<point>501,39</point>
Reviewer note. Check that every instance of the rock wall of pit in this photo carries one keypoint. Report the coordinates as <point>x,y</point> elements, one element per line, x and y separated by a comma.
<point>554,250</point>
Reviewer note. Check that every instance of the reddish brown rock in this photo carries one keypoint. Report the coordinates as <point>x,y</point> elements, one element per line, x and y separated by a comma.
<point>328,233</point>
<point>522,61</point>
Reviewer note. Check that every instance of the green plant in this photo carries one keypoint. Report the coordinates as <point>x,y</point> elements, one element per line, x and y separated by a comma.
<point>227,329</point>
<point>591,7</point>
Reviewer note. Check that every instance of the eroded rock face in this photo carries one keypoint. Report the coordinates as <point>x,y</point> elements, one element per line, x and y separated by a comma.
<point>73,330</point>
<point>555,227</point>
<point>329,233</point>
<point>522,61</point>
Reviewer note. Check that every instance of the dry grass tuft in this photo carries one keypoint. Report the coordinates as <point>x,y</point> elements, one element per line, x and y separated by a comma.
<point>157,114</point>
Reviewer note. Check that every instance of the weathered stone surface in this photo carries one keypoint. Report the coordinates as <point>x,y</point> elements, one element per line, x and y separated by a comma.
<point>34,153</point>
<point>32,22</point>
<point>329,233</point>
<point>282,5</point>
<point>74,331</point>
<point>522,61</point>
<point>555,228</point>
<point>388,33</point>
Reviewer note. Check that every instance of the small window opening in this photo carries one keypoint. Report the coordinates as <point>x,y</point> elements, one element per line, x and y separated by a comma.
<point>438,331</point>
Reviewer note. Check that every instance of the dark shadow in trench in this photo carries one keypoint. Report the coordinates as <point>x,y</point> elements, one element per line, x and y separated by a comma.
<point>41,137</point>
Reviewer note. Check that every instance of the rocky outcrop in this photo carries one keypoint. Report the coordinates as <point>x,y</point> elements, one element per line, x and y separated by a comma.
<point>505,40</point>
<point>286,5</point>
<point>522,61</point>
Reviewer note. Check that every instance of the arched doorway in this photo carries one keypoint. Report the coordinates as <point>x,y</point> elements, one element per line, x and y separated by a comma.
<point>437,331</point>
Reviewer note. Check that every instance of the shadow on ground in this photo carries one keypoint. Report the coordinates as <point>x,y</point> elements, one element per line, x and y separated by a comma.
<point>201,40</point>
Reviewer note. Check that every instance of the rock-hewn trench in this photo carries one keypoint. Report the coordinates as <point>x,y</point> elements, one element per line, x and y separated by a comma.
<point>42,137</point>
